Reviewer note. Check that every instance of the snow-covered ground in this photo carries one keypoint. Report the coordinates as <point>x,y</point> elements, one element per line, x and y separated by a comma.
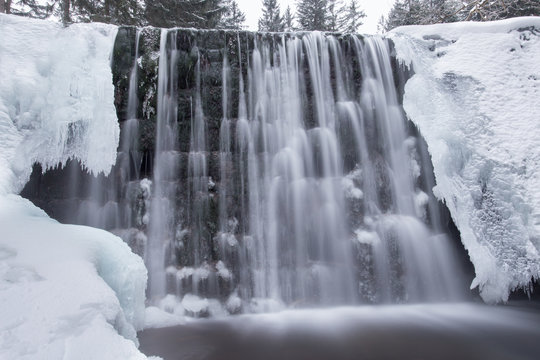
<point>66,292</point>
<point>475,97</point>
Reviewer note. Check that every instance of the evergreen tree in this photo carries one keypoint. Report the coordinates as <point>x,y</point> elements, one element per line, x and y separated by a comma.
<point>334,12</point>
<point>119,12</point>
<point>312,14</point>
<point>288,20</point>
<point>421,12</point>
<point>271,20</point>
<point>397,16</point>
<point>353,17</point>
<point>233,18</point>
<point>30,8</point>
<point>201,14</point>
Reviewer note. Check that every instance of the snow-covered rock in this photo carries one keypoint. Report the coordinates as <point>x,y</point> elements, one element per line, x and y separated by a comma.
<point>157,318</point>
<point>66,292</point>
<point>475,96</point>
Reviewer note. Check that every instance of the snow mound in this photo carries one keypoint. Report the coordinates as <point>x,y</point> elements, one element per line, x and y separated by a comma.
<point>56,97</point>
<point>475,98</point>
<point>157,318</point>
<point>67,292</point>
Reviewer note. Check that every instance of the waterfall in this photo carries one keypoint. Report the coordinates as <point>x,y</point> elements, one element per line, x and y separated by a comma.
<point>130,130</point>
<point>284,174</point>
<point>319,200</point>
<point>162,223</point>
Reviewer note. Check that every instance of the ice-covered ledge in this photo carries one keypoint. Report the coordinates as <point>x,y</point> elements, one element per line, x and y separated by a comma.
<point>475,98</point>
<point>56,97</point>
<point>66,292</point>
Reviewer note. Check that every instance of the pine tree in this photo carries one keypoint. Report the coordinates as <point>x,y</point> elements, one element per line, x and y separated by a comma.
<point>271,20</point>
<point>420,12</point>
<point>312,14</point>
<point>352,17</point>
<point>29,8</point>
<point>288,20</point>
<point>201,14</point>
<point>398,16</point>
<point>119,12</point>
<point>233,18</point>
<point>334,12</point>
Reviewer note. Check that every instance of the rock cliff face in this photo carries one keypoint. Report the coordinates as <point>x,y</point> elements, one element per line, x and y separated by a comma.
<point>264,169</point>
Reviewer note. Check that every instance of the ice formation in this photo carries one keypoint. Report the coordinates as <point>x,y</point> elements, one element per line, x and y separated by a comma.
<point>66,291</point>
<point>474,96</point>
<point>55,98</point>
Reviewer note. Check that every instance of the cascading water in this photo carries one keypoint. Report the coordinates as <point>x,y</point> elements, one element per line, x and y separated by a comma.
<point>295,199</point>
<point>162,224</point>
<point>130,162</point>
<point>306,188</point>
<point>290,237</point>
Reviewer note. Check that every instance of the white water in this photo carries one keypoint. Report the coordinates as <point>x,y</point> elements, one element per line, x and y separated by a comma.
<point>296,240</point>
<point>162,209</point>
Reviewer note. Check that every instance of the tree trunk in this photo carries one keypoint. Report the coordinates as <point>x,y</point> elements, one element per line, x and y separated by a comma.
<point>65,11</point>
<point>5,6</point>
<point>107,6</point>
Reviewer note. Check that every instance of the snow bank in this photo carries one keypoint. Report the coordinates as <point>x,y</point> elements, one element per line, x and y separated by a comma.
<point>56,97</point>
<point>475,97</point>
<point>66,292</point>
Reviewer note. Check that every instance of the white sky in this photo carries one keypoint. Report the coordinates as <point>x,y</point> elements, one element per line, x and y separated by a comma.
<point>373,8</point>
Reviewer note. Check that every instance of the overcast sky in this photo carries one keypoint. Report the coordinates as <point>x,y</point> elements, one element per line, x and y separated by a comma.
<point>373,8</point>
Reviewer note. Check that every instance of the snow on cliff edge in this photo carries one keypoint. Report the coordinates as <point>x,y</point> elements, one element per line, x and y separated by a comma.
<point>475,97</point>
<point>56,97</point>
<point>66,292</point>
